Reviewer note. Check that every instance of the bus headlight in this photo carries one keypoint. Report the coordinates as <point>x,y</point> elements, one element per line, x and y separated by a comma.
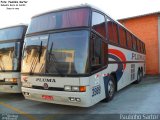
<point>13,80</point>
<point>75,88</point>
<point>67,88</point>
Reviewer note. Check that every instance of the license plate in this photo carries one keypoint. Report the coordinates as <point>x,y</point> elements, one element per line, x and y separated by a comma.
<point>47,97</point>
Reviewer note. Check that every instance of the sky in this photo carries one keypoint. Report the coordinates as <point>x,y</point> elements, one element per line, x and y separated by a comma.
<point>117,9</point>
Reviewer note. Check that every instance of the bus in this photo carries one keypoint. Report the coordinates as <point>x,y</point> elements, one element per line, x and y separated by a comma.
<point>11,44</point>
<point>79,56</point>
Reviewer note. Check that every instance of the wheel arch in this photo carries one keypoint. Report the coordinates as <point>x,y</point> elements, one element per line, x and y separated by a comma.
<point>115,78</point>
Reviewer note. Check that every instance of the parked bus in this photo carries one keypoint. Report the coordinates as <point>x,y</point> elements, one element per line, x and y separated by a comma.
<point>11,44</point>
<point>79,56</point>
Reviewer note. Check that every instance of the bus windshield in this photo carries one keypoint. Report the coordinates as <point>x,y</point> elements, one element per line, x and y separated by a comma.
<point>12,33</point>
<point>9,56</point>
<point>10,50</point>
<point>59,20</point>
<point>67,53</point>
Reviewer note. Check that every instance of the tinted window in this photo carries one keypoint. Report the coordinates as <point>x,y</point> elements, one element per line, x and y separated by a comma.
<point>96,51</point>
<point>138,46</point>
<point>59,20</point>
<point>129,40</point>
<point>143,47</point>
<point>134,43</point>
<point>142,51</point>
<point>11,33</point>
<point>115,32</point>
<point>98,23</point>
<point>104,53</point>
<point>96,61</point>
<point>112,31</point>
<point>122,36</point>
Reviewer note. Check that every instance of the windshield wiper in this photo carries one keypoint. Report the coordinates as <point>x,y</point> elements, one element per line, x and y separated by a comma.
<point>40,52</point>
<point>53,58</point>
<point>34,62</point>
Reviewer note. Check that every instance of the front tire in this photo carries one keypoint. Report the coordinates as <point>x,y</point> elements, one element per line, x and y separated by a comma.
<point>110,89</point>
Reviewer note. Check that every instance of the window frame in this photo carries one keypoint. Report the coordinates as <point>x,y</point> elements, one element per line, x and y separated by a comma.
<point>113,34</point>
<point>99,12</point>
<point>126,31</point>
<point>129,36</point>
<point>125,35</point>
<point>102,65</point>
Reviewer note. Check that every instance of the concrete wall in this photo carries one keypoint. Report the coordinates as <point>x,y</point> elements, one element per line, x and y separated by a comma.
<point>146,28</point>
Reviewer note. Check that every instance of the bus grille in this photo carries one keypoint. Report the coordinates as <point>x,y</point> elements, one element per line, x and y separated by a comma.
<point>50,88</point>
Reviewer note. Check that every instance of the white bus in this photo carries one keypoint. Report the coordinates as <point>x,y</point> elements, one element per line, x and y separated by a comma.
<point>79,56</point>
<point>11,43</point>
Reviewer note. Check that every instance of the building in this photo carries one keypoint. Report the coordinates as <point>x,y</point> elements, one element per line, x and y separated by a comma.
<point>147,28</point>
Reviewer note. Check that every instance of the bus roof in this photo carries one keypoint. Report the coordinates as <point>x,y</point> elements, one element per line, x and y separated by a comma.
<point>75,7</point>
<point>62,9</point>
<point>85,6</point>
<point>18,25</point>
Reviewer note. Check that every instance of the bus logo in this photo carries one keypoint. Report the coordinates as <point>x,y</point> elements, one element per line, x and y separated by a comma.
<point>45,86</point>
<point>45,80</point>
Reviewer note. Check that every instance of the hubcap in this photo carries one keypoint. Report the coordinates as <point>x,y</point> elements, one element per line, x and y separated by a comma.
<point>110,88</point>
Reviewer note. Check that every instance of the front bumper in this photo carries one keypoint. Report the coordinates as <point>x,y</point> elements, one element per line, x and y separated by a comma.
<point>10,89</point>
<point>59,97</point>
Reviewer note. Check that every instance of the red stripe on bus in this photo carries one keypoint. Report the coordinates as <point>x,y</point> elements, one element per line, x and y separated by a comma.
<point>118,54</point>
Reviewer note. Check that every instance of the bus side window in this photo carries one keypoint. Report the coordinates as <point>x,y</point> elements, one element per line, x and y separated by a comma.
<point>96,52</point>
<point>129,40</point>
<point>98,23</point>
<point>134,43</point>
<point>112,32</point>
<point>115,33</point>
<point>143,48</point>
<point>122,37</point>
<point>138,46</point>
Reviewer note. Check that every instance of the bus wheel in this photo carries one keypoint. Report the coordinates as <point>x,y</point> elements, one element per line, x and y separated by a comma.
<point>110,88</point>
<point>139,77</point>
